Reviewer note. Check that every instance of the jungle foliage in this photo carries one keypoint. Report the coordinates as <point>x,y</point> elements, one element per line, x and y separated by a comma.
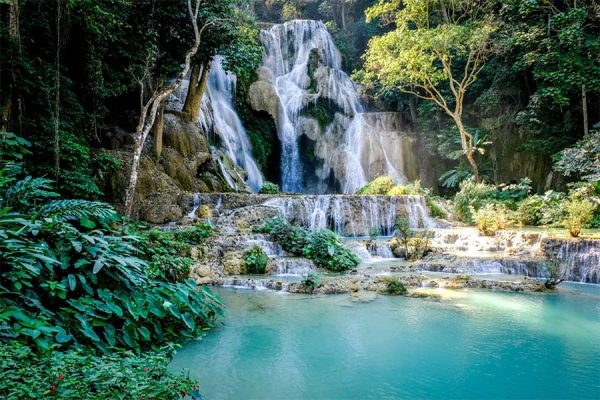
<point>76,276</point>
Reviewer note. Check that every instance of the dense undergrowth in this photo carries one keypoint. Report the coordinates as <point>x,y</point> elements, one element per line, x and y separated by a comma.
<point>323,247</point>
<point>495,207</point>
<point>77,281</point>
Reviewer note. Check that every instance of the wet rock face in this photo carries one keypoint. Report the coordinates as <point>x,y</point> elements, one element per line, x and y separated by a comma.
<point>185,165</point>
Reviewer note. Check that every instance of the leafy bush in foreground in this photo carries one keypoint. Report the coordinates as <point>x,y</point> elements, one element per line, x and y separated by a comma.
<point>326,250</point>
<point>393,286</point>
<point>82,375</point>
<point>71,277</point>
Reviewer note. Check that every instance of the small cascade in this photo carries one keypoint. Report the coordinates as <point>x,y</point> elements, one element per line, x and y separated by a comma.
<point>216,154</point>
<point>192,214</point>
<point>270,248</point>
<point>290,266</point>
<point>487,266</point>
<point>368,250</point>
<point>579,260</point>
<point>352,215</point>
<point>468,242</point>
<point>302,69</point>
<point>218,205</point>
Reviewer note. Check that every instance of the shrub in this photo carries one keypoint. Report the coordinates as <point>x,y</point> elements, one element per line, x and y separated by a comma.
<point>513,192</point>
<point>323,247</point>
<point>435,209</point>
<point>269,188</point>
<point>393,286</point>
<point>256,260</point>
<point>579,213</point>
<point>530,211</point>
<point>474,195</point>
<point>291,238</point>
<point>415,245</point>
<point>471,197</point>
<point>170,268</point>
<point>413,188</point>
<point>76,374</point>
<point>492,218</point>
<point>378,186</point>
<point>326,250</point>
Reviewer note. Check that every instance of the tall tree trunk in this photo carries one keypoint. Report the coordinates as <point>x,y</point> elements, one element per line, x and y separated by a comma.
<point>193,100</point>
<point>150,108</point>
<point>584,107</point>
<point>158,130</point>
<point>343,15</point>
<point>467,146</point>
<point>57,96</point>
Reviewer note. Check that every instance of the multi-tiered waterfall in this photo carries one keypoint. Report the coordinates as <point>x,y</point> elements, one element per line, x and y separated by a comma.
<point>302,70</point>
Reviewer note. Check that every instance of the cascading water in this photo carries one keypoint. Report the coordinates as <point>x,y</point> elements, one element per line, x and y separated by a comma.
<point>196,199</point>
<point>353,215</point>
<point>219,116</point>
<point>579,260</point>
<point>303,67</point>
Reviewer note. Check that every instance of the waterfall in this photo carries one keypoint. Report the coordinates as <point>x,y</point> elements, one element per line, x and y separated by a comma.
<point>219,116</point>
<point>303,67</point>
<point>579,260</point>
<point>352,215</point>
<point>196,199</point>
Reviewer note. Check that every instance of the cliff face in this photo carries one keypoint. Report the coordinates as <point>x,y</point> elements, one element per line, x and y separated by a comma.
<point>186,165</point>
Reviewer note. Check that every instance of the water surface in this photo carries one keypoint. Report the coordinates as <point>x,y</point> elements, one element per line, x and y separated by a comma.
<point>473,344</point>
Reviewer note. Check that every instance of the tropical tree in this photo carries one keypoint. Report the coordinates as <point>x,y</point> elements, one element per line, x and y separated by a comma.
<point>435,52</point>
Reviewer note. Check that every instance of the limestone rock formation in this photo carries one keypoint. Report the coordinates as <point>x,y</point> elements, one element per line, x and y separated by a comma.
<point>186,165</point>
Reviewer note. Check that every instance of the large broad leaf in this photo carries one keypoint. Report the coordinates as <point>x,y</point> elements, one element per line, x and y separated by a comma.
<point>110,335</point>
<point>63,337</point>
<point>144,332</point>
<point>189,321</point>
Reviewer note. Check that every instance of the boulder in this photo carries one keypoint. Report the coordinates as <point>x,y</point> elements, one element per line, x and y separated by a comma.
<point>263,97</point>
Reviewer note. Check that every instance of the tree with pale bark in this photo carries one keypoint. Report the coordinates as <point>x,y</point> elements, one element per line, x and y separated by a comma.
<point>150,107</point>
<point>436,52</point>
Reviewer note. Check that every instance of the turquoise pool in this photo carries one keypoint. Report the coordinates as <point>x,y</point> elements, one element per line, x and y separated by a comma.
<point>470,345</point>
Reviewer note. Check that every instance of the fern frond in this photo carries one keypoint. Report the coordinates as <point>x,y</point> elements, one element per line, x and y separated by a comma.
<point>68,210</point>
<point>28,191</point>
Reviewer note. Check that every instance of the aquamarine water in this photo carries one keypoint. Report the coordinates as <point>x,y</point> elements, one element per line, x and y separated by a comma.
<point>472,345</point>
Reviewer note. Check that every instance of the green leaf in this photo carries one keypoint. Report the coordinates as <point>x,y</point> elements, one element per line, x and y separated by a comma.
<point>72,281</point>
<point>98,265</point>
<point>63,337</point>
<point>189,321</point>
<point>87,223</point>
<point>144,332</point>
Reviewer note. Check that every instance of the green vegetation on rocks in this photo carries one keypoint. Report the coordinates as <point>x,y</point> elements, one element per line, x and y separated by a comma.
<point>256,260</point>
<point>323,247</point>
